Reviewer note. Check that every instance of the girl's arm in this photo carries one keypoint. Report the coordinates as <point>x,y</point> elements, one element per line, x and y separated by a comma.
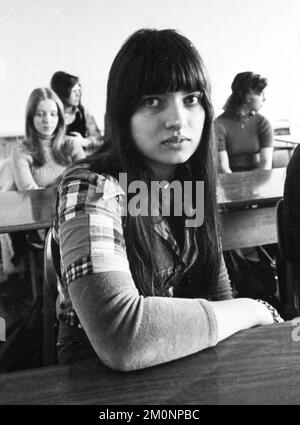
<point>127,330</point>
<point>224,166</point>
<point>238,314</point>
<point>21,167</point>
<point>93,132</point>
<point>93,137</point>
<point>266,141</point>
<point>266,158</point>
<point>77,150</point>
<point>223,157</point>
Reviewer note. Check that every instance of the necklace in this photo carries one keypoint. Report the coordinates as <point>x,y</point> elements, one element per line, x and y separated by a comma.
<point>244,119</point>
<point>243,124</point>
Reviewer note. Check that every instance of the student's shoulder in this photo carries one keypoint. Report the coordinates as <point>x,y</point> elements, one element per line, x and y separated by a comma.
<point>224,120</point>
<point>222,123</point>
<point>262,120</point>
<point>80,178</point>
<point>221,117</point>
<point>86,112</point>
<point>20,151</point>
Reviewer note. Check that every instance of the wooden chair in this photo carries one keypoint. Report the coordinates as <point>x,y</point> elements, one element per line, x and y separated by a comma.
<point>35,251</point>
<point>49,300</point>
<point>289,289</point>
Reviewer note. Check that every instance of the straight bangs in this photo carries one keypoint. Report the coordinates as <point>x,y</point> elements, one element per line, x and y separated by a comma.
<point>169,65</point>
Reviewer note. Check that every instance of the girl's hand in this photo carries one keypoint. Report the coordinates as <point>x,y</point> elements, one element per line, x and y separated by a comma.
<point>77,138</point>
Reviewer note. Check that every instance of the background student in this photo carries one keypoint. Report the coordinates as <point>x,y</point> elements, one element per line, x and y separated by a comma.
<point>37,162</point>
<point>80,124</point>
<point>245,137</point>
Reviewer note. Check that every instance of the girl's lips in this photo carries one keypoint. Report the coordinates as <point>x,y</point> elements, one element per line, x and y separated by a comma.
<point>175,140</point>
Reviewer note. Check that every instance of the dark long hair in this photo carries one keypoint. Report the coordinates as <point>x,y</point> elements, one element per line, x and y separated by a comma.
<point>241,86</point>
<point>158,61</point>
<point>62,83</point>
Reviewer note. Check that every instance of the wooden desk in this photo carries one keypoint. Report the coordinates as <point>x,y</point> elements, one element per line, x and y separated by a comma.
<point>258,187</point>
<point>26,210</point>
<point>248,201</point>
<point>242,227</point>
<point>7,141</point>
<point>256,366</point>
<point>288,139</point>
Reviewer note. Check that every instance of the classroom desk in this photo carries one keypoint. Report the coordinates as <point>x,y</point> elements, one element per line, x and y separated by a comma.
<point>26,210</point>
<point>256,366</point>
<point>247,201</point>
<point>288,139</point>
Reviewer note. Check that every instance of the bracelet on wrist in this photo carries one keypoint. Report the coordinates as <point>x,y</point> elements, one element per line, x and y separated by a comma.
<point>276,316</point>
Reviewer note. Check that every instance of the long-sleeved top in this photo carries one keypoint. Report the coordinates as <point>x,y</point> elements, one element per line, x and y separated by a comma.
<point>243,139</point>
<point>123,326</point>
<point>28,177</point>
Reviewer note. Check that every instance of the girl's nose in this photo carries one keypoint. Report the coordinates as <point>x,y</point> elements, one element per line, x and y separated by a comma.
<point>175,116</point>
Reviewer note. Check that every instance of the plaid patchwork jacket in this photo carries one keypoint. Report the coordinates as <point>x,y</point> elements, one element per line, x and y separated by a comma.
<point>92,205</point>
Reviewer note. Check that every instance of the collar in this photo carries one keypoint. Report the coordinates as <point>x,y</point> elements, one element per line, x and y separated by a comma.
<point>190,250</point>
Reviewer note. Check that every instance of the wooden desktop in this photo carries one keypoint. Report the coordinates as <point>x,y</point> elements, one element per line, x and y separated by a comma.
<point>256,366</point>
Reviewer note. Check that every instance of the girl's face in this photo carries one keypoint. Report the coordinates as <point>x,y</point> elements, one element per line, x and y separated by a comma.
<point>255,101</point>
<point>75,95</point>
<point>167,129</point>
<point>45,119</point>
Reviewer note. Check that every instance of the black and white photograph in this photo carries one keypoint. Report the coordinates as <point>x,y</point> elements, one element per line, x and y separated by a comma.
<point>149,205</point>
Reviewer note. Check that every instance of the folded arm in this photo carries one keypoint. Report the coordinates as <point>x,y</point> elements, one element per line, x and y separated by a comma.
<point>127,330</point>
<point>21,168</point>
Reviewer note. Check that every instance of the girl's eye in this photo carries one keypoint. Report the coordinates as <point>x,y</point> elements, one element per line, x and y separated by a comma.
<point>193,99</point>
<point>151,102</point>
<point>54,114</point>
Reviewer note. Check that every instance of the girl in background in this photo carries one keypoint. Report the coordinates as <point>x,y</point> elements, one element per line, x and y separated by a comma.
<point>45,153</point>
<point>37,162</point>
<point>81,126</point>
<point>245,136</point>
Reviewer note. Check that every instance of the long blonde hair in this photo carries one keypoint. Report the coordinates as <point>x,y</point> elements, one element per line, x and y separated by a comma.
<point>60,150</point>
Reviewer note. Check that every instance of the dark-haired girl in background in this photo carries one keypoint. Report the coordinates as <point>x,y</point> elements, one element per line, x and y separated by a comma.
<point>80,124</point>
<point>245,137</point>
<point>245,142</point>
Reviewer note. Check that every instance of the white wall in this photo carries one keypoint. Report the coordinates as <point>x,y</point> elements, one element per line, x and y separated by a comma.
<point>39,37</point>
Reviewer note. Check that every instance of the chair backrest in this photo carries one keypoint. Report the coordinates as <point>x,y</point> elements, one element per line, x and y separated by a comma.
<point>283,243</point>
<point>289,291</point>
<point>49,301</point>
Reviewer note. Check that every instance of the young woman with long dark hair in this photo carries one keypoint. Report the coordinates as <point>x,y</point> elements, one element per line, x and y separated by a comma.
<point>139,287</point>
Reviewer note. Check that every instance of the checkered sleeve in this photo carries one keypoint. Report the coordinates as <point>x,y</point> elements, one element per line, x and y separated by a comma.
<point>90,227</point>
